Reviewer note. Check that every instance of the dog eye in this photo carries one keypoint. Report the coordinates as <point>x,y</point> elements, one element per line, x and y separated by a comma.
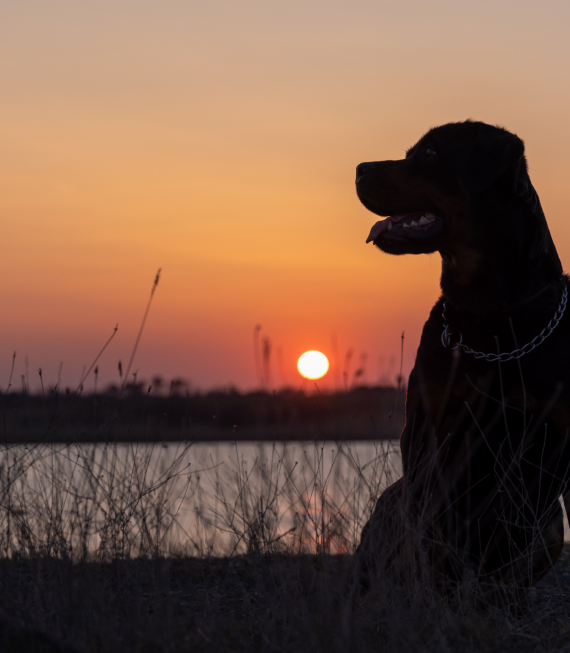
<point>430,153</point>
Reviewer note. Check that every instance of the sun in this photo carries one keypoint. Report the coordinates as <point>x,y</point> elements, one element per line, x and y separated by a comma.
<point>313,365</point>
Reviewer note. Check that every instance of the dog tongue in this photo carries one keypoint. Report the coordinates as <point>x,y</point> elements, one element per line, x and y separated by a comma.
<point>382,225</point>
<point>377,229</point>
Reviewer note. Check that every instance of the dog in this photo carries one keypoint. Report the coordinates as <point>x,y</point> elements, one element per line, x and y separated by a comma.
<point>485,446</point>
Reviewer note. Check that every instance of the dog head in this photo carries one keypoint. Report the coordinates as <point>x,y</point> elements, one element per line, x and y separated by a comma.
<point>462,190</point>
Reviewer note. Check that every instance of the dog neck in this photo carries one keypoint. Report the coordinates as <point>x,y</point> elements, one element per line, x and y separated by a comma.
<point>474,283</point>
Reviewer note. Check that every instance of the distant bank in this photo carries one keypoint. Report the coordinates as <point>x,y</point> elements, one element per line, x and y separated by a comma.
<point>362,413</point>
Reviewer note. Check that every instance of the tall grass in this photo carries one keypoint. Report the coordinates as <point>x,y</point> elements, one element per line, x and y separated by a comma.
<point>69,514</point>
<point>152,547</point>
<point>101,502</point>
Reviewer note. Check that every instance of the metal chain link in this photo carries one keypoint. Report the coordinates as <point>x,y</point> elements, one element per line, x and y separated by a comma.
<point>513,355</point>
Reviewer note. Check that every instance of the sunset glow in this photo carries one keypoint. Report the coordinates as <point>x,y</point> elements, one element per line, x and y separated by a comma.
<point>313,365</point>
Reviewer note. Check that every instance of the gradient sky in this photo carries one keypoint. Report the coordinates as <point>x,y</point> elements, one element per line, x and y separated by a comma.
<point>218,141</point>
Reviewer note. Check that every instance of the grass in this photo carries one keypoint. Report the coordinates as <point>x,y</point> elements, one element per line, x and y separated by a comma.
<point>108,547</point>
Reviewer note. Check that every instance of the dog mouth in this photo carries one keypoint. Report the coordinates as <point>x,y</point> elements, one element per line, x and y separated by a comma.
<point>408,225</point>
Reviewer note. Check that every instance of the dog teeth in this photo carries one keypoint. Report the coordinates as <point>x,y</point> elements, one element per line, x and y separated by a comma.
<point>423,220</point>
<point>414,223</point>
<point>429,216</point>
<point>389,225</point>
<point>406,225</point>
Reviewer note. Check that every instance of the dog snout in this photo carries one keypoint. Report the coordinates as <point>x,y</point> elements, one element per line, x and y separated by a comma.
<point>363,169</point>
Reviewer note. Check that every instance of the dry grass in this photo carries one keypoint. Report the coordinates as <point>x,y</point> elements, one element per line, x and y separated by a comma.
<point>110,548</point>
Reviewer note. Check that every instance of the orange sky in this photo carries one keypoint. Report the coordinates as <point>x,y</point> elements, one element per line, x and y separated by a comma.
<point>218,141</point>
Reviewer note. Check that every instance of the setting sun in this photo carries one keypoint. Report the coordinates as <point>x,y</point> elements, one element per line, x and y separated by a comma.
<point>313,365</point>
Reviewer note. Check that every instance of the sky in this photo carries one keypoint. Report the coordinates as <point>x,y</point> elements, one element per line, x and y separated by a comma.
<point>218,141</point>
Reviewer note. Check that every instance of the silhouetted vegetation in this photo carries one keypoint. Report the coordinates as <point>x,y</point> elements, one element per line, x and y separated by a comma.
<point>139,414</point>
<point>95,556</point>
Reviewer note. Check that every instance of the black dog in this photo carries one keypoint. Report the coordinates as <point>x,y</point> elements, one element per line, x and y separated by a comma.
<point>485,448</point>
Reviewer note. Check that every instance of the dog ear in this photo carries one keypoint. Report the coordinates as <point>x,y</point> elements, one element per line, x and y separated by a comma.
<point>494,152</point>
<point>542,244</point>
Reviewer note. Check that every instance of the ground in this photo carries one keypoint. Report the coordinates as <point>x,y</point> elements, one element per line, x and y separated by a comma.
<point>251,603</point>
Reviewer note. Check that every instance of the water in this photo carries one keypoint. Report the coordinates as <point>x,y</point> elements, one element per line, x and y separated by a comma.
<point>127,499</point>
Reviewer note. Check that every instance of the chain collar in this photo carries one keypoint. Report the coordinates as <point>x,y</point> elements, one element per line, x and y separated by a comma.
<point>513,355</point>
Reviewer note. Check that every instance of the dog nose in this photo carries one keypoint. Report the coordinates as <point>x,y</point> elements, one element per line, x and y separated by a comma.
<point>363,169</point>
